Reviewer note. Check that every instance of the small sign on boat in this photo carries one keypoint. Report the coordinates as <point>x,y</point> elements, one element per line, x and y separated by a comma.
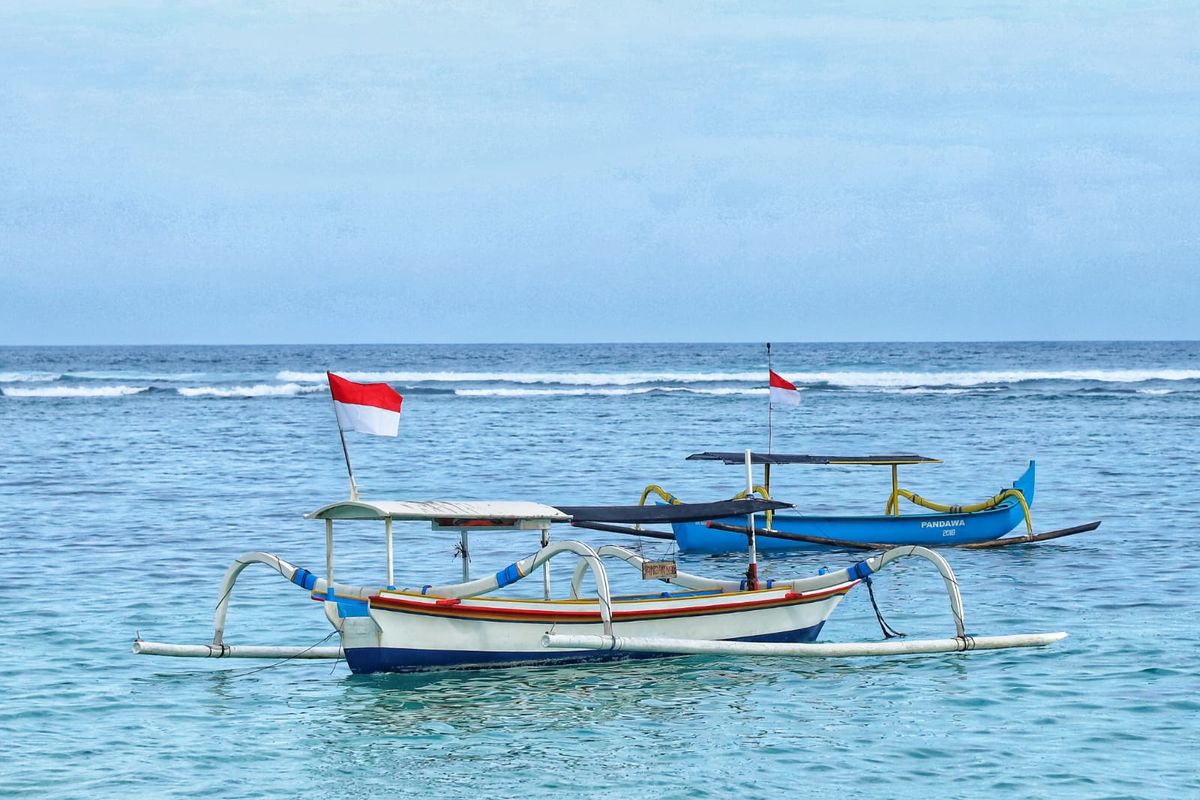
<point>654,570</point>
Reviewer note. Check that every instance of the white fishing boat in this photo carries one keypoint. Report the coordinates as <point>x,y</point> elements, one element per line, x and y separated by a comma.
<point>465,625</point>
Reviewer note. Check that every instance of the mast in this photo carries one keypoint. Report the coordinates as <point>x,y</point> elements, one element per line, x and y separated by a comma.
<point>770,430</point>
<point>752,568</point>
<point>770,368</point>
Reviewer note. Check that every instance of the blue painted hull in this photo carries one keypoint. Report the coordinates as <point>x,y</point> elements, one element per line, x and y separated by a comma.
<point>931,530</point>
<point>367,660</point>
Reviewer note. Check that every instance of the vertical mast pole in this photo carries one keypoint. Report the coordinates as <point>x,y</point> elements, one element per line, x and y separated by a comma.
<point>770,431</point>
<point>752,569</point>
<point>770,367</point>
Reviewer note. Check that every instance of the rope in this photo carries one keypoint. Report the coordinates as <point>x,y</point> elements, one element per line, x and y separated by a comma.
<point>289,658</point>
<point>888,631</point>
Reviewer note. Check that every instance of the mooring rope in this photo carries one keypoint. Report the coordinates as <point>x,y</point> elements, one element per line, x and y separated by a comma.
<point>312,646</point>
<point>888,631</point>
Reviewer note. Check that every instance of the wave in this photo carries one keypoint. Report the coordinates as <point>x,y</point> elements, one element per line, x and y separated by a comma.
<point>603,392</point>
<point>989,377</point>
<point>856,379</point>
<point>133,375</point>
<point>28,377</point>
<point>73,391</point>
<point>258,390</point>
<point>564,378</point>
<point>930,390</point>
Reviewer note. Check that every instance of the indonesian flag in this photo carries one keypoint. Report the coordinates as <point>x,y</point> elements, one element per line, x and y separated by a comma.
<point>783,392</point>
<point>365,407</point>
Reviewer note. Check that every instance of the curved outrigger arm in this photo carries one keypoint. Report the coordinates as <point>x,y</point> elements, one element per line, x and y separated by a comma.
<point>297,575</point>
<point>588,560</point>
<point>863,569</point>
<point>320,586</point>
<point>859,571</point>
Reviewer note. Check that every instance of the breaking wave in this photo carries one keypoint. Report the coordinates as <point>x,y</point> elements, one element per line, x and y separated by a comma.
<point>28,377</point>
<point>258,390</point>
<point>566,378</point>
<point>847,379</point>
<point>72,391</point>
<point>602,392</point>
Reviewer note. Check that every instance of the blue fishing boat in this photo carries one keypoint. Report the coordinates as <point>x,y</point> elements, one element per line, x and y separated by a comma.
<point>939,525</point>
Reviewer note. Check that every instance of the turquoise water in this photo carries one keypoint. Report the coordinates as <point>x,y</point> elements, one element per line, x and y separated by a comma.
<point>131,477</point>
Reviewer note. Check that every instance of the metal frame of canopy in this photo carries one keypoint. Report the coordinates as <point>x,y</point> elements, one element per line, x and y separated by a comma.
<point>466,516</point>
<point>452,515</point>
<point>767,459</point>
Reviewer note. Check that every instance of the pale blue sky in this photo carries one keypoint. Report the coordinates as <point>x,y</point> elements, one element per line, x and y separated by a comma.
<point>359,172</point>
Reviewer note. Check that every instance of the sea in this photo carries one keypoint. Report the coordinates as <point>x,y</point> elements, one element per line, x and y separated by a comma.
<point>131,477</point>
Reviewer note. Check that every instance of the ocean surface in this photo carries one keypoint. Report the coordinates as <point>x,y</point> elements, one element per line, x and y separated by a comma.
<point>130,477</point>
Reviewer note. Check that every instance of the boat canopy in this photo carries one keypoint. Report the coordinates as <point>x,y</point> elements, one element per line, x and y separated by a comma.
<point>673,512</point>
<point>793,458</point>
<point>447,513</point>
<point>458,514</point>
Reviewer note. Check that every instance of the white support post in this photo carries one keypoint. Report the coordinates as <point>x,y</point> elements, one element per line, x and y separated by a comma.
<point>329,556</point>
<point>387,527</point>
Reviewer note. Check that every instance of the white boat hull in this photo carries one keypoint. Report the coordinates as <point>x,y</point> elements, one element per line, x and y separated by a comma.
<point>406,632</point>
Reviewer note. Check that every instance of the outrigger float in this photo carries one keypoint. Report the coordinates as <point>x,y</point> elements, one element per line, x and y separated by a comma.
<point>467,625</point>
<point>978,525</point>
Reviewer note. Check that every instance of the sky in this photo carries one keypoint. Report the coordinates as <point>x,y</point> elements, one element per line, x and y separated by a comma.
<point>558,172</point>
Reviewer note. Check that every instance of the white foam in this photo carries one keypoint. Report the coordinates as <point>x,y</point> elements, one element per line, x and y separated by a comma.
<point>74,391</point>
<point>600,391</point>
<point>923,390</point>
<point>847,379</point>
<point>983,377</point>
<point>258,390</point>
<point>134,375</point>
<point>28,377</point>
<point>1155,392</point>
<point>564,378</point>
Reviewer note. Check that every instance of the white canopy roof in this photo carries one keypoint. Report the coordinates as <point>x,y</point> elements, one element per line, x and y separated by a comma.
<point>444,513</point>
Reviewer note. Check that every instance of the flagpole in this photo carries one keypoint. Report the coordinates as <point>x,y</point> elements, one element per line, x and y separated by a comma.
<point>770,430</point>
<point>349,469</point>
<point>342,436</point>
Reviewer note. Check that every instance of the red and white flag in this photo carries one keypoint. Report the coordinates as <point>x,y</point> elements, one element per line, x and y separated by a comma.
<point>365,407</point>
<point>783,392</point>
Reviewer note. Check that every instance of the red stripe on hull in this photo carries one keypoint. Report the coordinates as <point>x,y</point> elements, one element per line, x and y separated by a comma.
<point>542,615</point>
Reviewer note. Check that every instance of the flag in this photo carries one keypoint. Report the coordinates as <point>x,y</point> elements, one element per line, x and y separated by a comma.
<point>783,392</point>
<point>365,407</point>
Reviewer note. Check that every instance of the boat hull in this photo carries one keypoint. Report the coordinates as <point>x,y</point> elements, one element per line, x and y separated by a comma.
<point>929,530</point>
<point>411,633</point>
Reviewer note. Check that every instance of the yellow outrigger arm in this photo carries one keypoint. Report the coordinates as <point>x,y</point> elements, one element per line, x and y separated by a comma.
<point>892,460</point>
<point>893,504</point>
